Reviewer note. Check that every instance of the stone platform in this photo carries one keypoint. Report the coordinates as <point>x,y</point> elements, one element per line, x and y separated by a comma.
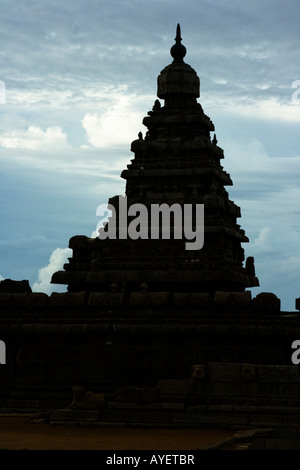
<point>157,357</point>
<point>218,395</point>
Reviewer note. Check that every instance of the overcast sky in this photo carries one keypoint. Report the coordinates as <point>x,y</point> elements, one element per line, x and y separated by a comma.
<point>77,78</point>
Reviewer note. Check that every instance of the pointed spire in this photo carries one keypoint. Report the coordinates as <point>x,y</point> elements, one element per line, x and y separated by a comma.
<point>178,34</point>
<point>178,51</point>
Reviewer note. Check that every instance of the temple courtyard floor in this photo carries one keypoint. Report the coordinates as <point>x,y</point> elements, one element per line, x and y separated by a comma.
<point>20,433</point>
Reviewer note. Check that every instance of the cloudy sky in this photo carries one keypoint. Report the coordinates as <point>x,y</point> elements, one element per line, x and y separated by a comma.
<point>77,78</point>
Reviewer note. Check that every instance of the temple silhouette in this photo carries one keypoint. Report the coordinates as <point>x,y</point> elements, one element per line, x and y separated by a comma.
<point>177,162</point>
<point>148,331</point>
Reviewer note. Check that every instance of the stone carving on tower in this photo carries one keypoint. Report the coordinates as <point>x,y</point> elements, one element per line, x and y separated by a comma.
<point>176,161</point>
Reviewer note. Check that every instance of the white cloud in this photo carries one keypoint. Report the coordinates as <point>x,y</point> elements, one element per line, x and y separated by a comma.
<point>56,261</point>
<point>252,169</point>
<point>40,94</point>
<point>118,125</point>
<point>246,156</point>
<point>269,109</point>
<point>290,266</point>
<point>34,138</point>
<point>263,243</point>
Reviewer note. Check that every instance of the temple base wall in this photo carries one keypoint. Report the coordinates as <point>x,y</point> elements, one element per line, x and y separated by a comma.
<point>191,357</point>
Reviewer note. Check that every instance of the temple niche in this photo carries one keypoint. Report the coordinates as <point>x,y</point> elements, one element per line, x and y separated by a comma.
<point>176,161</point>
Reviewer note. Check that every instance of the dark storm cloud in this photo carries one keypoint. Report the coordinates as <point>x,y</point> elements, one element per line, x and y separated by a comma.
<point>128,41</point>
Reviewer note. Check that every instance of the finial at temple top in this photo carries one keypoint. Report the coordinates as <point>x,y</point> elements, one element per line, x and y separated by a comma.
<point>178,33</point>
<point>178,51</point>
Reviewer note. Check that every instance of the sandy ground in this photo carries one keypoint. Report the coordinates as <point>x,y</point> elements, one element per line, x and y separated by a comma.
<point>17,433</point>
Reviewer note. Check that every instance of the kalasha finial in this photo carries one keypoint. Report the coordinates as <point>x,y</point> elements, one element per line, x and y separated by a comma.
<point>178,51</point>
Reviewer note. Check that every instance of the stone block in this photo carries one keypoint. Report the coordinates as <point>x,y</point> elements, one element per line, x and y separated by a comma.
<point>86,400</point>
<point>227,391</point>
<point>135,415</point>
<point>15,287</point>
<point>175,389</point>
<point>124,394</point>
<point>291,418</point>
<point>198,372</point>
<point>37,299</point>
<point>119,405</point>
<point>146,394</point>
<point>68,415</point>
<point>249,390</point>
<point>210,418</point>
<point>78,241</point>
<point>173,406</point>
<point>284,392</point>
<point>224,372</point>
<point>296,445</point>
<point>71,299</point>
<point>5,299</point>
<point>140,395</point>
<point>18,300</point>
<point>201,391</point>
<point>285,433</point>
<point>248,372</point>
<point>258,444</point>
<point>103,299</point>
<point>266,301</point>
<point>277,373</point>
<point>191,299</point>
<point>265,420</point>
<point>279,444</point>
<point>60,277</point>
<point>153,299</point>
<point>232,298</point>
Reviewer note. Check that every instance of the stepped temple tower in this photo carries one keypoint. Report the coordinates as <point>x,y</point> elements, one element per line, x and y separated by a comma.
<point>176,162</point>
